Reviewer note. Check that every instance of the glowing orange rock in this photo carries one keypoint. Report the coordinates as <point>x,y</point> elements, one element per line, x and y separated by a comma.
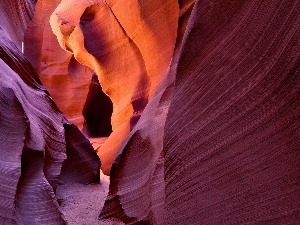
<point>130,52</point>
<point>220,145</point>
<point>66,80</point>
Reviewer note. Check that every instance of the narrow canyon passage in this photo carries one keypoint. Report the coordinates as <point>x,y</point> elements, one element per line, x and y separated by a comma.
<point>180,112</point>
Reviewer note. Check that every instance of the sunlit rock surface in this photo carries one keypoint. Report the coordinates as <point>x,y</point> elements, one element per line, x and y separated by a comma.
<point>220,145</point>
<point>66,80</point>
<point>38,147</point>
<point>142,199</point>
<point>129,45</point>
<point>206,111</point>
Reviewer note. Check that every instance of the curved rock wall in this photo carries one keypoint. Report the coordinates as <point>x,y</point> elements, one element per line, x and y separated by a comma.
<point>15,17</point>
<point>36,150</point>
<point>206,110</point>
<point>228,151</point>
<point>130,53</point>
<point>232,149</point>
<point>137,192</point>
<point>66,80</point>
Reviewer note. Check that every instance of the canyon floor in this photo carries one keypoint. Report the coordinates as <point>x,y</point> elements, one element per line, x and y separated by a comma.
<point>81,204</point>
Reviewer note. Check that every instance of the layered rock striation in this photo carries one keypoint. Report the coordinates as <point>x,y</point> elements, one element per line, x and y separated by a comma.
<point>205,116</point>
<point>218,143</point>
<point>39,147</point>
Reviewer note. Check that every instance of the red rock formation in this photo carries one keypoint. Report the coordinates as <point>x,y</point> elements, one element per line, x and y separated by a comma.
<point>205,131</point>
<point>129,52</point>
<point>142,199</point>
<point>228,152</point>
<point>66,80</point>
<point>232,150</point>
<point>36,150</point>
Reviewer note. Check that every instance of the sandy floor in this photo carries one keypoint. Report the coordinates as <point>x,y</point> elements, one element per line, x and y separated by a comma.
<point>81,204</point>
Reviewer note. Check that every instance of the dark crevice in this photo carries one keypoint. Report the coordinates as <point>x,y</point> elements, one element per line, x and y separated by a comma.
<point>97,111</point>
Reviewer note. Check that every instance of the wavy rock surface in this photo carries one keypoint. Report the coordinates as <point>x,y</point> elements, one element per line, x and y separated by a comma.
<point>15,16</point>
<point>142,199</point>
<point>233,148</point>
<point>36,150</point>
<point>66,80</point>
<point>228,152</point>
<point>130,52</point>
<point>211,123</point>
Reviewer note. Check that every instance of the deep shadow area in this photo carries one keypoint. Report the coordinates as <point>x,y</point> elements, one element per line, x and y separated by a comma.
<point>97,111</point>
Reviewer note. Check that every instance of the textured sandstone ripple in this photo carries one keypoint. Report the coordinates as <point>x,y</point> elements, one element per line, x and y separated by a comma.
<point>206,112</point>
<point>37,144</point>
<point>230,143</point>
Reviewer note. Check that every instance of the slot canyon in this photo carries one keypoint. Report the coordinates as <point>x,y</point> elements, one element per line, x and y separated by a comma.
<point>158,112</point>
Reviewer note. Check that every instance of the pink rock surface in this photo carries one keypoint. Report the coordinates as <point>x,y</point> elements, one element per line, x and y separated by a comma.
<point>228,152</point>
<point>38,145</point>
<point>205,117</point>
<point>15,16</point>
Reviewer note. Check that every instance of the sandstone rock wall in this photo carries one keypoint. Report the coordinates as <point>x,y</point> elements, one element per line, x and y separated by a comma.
<point>218,141</point>
<point>206,109</point>
<point>39,147</point>
<point>66,80</point>
<point>129,45</point>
